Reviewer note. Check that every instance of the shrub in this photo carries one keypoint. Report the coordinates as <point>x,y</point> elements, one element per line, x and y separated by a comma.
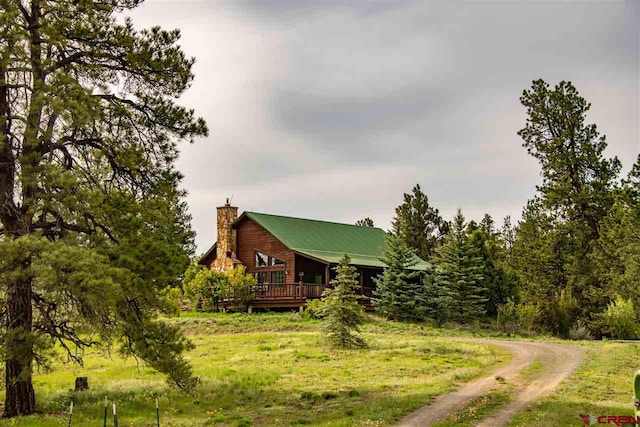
<point>560,313</point>
<point>508,316</point>
<point>313,310</point>
<point>171,300</point>
<point>241,287</point>
<point>620,319</point>
<point>528,315</point>
<point>579,331</point>
<point>207,288</point>
<point>211,288</point>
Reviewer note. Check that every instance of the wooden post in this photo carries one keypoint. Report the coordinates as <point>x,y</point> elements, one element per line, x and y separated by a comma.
<point>157,412</point>
<point>326,275</point>
<point>636,395</point>
<point>82,383</point>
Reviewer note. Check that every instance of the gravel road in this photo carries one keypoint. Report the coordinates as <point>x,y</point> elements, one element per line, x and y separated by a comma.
<point>558,361</point>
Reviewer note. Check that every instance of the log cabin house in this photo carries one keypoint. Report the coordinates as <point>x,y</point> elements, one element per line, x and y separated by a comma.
<point>292,259</point>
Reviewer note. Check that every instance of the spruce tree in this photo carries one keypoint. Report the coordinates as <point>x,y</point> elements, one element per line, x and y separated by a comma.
<point>440,303</point>
<point>399,293</point>
<point>419,224</point>
<point>459,269</point>
<point>497,279</point>
<point>92,221</point>
<point>340,310</point>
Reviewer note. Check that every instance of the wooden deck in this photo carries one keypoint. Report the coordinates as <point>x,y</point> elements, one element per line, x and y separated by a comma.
<point>296,295</point>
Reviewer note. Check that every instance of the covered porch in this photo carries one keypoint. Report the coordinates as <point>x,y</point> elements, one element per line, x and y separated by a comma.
<point>314,276</point>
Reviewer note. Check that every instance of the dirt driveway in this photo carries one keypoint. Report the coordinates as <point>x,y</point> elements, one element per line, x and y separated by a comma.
<point>558,361</point>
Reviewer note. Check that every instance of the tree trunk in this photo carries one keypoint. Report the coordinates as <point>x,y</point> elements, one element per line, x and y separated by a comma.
<point>20,397</point>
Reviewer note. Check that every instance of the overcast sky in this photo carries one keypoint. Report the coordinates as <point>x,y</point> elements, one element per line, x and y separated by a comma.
<point>333,109</point>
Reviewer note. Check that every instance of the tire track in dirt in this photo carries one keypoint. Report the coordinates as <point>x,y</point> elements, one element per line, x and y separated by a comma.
<point>558,361</point>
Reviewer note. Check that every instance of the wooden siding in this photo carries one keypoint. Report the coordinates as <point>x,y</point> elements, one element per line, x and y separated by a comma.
<point>251,237</point>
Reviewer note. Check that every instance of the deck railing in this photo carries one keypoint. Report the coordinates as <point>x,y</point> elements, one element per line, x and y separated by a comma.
<point>272,291</point>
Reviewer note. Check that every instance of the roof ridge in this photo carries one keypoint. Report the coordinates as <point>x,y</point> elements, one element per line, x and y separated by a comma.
<point>314,220</point>
<point>335,252</point>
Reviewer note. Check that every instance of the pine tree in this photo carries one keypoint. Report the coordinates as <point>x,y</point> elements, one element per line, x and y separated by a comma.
<point>365,222</point>
<point>419,224</point>
<point>399,293</point>
<point>616,254</point>
<point>92,221</point>
<point>340,310</point>
<point>459,270</point>
<point>576,191</point>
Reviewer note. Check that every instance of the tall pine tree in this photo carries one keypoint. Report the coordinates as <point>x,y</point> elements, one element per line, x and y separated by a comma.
<point>576,191</point>
<point>418,223</point>
<point>459,269</point>
<point>399,292</point>
<point>92,221</point>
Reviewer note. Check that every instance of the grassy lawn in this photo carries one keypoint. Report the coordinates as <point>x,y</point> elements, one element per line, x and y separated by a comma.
<point>270,369</point>
<point>602,385</point>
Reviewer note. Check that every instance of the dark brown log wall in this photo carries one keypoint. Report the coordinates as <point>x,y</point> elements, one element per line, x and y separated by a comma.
<point>252,237</point>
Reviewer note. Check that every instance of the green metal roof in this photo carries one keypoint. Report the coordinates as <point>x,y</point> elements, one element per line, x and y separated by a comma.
<point>328,241</point>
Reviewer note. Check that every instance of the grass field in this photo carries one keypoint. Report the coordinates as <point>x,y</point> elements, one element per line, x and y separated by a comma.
<point>274,369</point>
<point>269,370</point>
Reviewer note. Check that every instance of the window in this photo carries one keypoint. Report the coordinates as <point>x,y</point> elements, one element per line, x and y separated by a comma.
<point>262,259</point>
<point>261,277</point>
<point>276,261</point>
<point>277,277</point>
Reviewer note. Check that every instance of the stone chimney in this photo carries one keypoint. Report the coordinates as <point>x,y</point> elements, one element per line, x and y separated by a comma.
<point>226,243</point>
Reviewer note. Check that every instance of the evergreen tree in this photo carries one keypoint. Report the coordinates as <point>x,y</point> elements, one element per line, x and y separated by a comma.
<point>459,270</point>
<point>340,310</point>
<point>508,234</point>
<point>539,257</point>
<point>616,254</point>
<point>440,303</point>
<point>399,293</point>
<point>365,222</point>
<point>418,223</point>
<point>575,195</point>
<point>92,221</point>
<point>499,282</point>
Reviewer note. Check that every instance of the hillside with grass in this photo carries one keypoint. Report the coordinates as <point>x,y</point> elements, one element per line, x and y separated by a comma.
<point>268,369</point>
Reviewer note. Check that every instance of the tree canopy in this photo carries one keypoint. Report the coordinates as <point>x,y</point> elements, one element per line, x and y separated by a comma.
<point>92,220</point>
<point>562,223</point>
<point>418,223</point>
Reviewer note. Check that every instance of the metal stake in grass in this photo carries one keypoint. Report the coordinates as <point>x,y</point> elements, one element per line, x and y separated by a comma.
<point>70,412</point>
<point>115,416</point>
<point>105,412</point>
<point>157,413</point>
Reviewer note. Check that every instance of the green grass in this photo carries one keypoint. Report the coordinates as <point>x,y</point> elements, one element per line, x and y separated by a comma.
<point>601,385</point>
<point>270,369</point>
<point>479,408</point>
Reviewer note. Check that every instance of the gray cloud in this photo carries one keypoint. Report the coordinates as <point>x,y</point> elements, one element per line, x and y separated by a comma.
<point>333,109</point>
